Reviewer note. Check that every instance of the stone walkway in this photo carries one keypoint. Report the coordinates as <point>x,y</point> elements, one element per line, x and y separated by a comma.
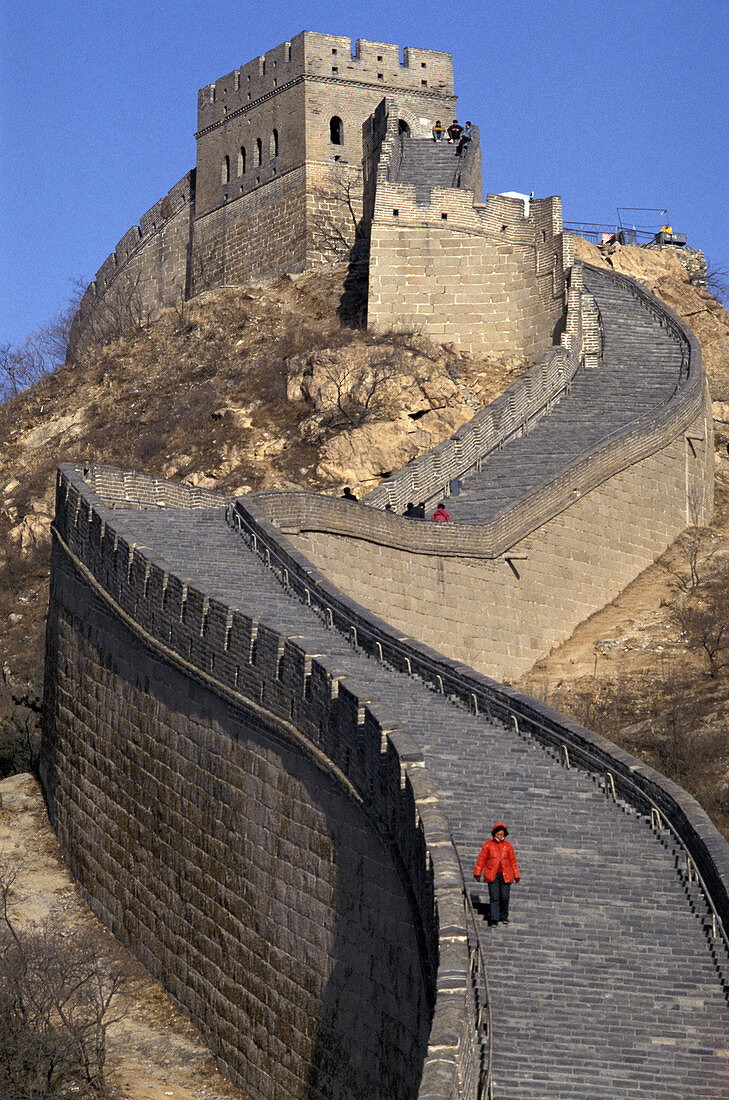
<point>603,986</point>
<point>640,369</point>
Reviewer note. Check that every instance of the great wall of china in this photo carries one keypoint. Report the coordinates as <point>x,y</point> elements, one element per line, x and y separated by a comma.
<point>275,737</point>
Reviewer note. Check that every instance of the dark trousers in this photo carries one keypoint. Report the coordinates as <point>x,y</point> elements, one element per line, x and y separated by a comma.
<point>499,898</point>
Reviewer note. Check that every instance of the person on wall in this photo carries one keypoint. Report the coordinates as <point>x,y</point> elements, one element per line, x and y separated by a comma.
<point>497,863</point>
<point>440,515</point>
<point>454,131</point>
<point>466,137</point>
<point>438,130</point>
<point>347,494</point>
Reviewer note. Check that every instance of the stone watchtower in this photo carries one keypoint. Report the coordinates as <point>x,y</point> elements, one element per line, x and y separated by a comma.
<point>279,150</point>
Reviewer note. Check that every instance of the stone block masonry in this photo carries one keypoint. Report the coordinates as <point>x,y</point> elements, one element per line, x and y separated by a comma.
<point>500,616</point>
<point>244,820</point>
<point>148,271</point>
<point>484,276</point>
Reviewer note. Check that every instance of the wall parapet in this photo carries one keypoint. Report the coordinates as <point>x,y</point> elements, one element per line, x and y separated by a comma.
<point>152,225</point>
<point>241,659</point>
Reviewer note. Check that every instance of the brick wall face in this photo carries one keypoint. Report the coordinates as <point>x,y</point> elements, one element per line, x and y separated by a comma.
<point>242,874</point>
<point>478,611</point>
<point>482,277</point>
<point>254,236</point>
<point>296,90</point>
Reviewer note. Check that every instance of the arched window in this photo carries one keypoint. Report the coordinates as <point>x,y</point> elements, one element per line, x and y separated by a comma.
<point>225,172</point>
<point>259,152</point>
<point>402,126</point>
<point>274,143</point>
<point>242,161</point>
<point>336,130</point>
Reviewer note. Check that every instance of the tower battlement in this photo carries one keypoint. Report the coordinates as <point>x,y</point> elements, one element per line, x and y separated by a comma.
<point>330,58</point>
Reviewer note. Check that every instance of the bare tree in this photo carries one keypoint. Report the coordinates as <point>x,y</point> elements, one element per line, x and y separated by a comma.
<point>206,266</point>
<point>59,995</point>
<point>704,620</point>
<point>336,219</point>
<point>717,282</point>
<point>39,355</point>
<point>122,310</point>
<point>359,390</point>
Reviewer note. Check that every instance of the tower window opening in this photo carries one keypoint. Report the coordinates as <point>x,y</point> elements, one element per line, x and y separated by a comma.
<point>242,161</point>
<point>336,130</point>
<point>225,173</point>
<point>259,152</point>
<point>274,143</point>
<point>402,127</point>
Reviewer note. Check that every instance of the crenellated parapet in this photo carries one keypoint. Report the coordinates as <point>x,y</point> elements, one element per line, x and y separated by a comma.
<point>148,270</point>
<point>367,883</point>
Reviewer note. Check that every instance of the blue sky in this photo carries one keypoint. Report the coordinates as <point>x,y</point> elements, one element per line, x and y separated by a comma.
<point>610,105</point>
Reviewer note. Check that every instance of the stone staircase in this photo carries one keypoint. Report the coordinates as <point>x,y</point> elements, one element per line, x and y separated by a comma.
<point>426,164</point>
<point>608,982</point>
<point>638,372</point>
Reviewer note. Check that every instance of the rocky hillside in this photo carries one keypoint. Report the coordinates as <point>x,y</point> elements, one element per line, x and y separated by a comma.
<point>242,389</point>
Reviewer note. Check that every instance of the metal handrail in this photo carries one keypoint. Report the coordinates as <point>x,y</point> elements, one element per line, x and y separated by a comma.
<point>485,1082</point>
<point>485,1078</point>
<point>490,702</point>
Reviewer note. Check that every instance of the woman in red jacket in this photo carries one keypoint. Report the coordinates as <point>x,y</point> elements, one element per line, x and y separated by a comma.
<point>497,861</point>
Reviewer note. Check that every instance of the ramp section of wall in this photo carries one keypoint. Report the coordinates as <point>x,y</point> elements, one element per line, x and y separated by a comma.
<point>148,270</point>
<point>499,594</point>
<point>500,614</point>
<point>245,821</point>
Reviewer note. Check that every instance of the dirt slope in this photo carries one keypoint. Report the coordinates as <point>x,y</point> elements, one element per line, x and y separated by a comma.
<point>154,1052</point>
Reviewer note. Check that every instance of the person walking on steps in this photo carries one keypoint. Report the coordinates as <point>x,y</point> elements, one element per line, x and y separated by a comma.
<point>497,862</point>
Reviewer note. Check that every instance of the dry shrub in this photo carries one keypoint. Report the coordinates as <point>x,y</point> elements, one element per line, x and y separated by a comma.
<point>59,994</point>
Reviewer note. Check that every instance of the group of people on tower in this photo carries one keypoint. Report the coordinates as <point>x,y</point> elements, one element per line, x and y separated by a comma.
<point>456,135</point>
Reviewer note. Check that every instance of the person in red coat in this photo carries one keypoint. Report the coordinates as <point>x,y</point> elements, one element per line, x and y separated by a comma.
<point>440,515</point>
<point>497,862</point>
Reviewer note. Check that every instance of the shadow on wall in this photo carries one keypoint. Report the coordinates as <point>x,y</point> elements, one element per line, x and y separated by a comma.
<point>245,875</point>
<point>352,308</point>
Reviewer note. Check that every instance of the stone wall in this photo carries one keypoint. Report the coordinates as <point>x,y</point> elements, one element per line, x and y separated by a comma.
<point>253,236</point>
<point>279,159</point>
<point>245,823</point>
<point>297,88</point>
<point>484,276</point>
<point>500,595</point>
<point>501,615</point>
<point>148,270</point>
